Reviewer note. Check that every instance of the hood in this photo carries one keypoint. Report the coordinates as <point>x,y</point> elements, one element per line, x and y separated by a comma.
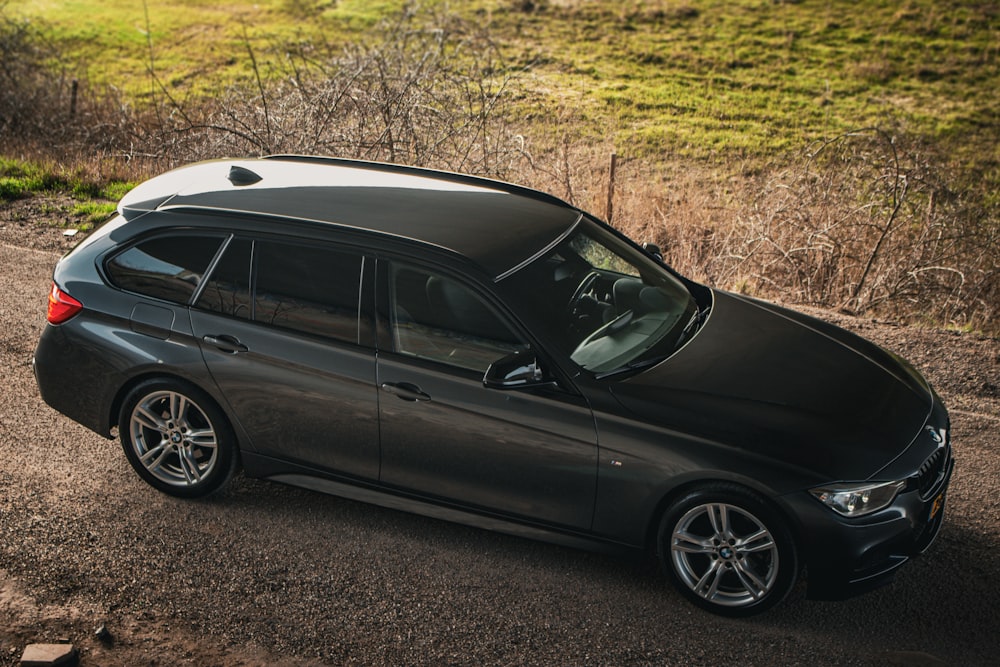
<point>788,387</point>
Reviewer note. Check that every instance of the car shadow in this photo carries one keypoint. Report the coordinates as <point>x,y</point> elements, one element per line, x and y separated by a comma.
<point>941,603</point>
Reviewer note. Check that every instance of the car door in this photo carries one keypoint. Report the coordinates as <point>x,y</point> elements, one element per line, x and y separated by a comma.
<point>286,348</point>
<point>528,453</point>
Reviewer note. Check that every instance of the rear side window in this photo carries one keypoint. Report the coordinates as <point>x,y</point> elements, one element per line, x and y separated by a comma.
<point>227,290</point>
<point>165,267</point>
<point>312,289</point>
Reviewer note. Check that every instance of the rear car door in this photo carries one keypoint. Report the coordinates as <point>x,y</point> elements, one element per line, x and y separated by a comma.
<point>528,453</point>
<point>280,329</point>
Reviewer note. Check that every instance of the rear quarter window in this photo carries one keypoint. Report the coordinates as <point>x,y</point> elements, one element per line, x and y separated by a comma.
<point>165,267</point>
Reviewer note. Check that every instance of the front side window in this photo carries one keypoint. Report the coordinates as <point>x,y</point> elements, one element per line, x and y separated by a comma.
<point>164,267</point>
<point>435,317</point>
<point>603,303</point>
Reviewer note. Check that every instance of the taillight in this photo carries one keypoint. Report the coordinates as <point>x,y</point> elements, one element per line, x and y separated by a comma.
<point>62,306</point>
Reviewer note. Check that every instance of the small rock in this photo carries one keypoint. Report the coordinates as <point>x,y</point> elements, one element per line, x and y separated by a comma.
<point>103,634</point>
<point>49,655</point>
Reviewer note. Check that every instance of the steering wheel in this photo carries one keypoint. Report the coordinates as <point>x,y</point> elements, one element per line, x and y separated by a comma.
<point>585,286</point>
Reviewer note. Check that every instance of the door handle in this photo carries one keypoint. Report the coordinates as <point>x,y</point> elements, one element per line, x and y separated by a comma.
<point>405,391</point>
<point>229,344</point>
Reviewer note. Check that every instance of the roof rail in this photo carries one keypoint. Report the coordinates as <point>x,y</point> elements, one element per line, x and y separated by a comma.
<point>452,176</point>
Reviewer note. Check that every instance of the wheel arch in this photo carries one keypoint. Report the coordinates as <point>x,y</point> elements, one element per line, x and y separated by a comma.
<point>209,466</point>
<point>114,410</point>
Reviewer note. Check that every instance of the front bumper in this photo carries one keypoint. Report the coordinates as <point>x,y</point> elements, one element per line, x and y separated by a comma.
<point>845,557</point>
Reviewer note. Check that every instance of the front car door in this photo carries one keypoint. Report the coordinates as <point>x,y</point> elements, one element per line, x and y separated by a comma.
<point>529,453</point>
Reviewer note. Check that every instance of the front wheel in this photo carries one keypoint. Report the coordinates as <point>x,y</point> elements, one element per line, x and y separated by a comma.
<point>177,439</point>
<point>727,550</point>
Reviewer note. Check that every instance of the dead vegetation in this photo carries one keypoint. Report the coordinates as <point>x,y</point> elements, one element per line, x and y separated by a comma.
<point>428,90</point>
<point>868,222</point>
<point>864,223</point>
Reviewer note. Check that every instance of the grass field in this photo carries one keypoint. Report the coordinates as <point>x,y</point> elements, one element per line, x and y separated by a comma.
<point>196,47</point>
<point>661,77</point>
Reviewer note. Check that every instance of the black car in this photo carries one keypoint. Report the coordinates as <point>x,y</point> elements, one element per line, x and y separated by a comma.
<point>486,353</point>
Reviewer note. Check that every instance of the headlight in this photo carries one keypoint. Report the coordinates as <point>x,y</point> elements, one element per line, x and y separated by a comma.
<point>859,498</point>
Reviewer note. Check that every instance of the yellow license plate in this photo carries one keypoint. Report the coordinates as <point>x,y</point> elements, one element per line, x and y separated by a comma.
<point>936,507</point>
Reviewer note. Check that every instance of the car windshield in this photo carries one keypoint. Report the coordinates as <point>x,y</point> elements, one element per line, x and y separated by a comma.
<point>602,302</point>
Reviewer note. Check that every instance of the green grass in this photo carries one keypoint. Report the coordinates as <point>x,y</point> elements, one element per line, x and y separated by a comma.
<point>20,179</point>
<point>193,46</point>
<point>705,79</point>
<point>92,212</point>
<point>96,200</point>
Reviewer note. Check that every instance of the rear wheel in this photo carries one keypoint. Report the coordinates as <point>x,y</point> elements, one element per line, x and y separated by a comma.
<point>177,439</point>
<point>727,550</point>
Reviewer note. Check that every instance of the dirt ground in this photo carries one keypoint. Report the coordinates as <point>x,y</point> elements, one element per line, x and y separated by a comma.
<point>272,575</point>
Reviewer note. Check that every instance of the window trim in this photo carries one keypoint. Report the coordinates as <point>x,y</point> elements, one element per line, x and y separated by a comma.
<point>365,315</point>
<point>153,235</point>
<point>211,269</point>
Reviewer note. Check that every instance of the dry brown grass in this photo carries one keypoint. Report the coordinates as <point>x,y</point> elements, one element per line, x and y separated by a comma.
<point>869,223</point>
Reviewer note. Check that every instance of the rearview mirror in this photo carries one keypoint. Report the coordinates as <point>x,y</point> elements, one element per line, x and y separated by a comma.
<point>517,370</point>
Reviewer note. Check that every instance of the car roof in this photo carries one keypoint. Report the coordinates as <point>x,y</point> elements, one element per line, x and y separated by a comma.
<point>497,225</point>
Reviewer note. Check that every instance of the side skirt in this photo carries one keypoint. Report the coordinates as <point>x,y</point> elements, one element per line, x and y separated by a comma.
<point>294,475</point>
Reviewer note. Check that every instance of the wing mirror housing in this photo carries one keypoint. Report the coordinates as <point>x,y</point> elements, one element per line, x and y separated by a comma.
<point>653,250</point>
<point>518,370</point>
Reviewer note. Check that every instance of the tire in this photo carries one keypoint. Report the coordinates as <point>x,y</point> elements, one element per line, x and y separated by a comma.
<point>177,438</point>
<point>727,550</point>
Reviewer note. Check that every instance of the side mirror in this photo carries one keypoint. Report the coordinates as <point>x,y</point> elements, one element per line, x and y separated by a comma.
<point>653,250</point>
<point>516,371</point>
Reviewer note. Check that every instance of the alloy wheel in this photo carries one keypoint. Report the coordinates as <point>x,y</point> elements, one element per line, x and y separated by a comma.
<point>724,554</point>
<point>173,439</point>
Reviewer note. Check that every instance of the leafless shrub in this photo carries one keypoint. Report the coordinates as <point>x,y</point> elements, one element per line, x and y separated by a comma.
<point>867,222</point>
<point>49,115</point>
<point>870,222</point>
<point>429,89</point>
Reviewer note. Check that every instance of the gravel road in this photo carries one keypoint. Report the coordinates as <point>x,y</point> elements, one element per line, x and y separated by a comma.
<point>272,575</point>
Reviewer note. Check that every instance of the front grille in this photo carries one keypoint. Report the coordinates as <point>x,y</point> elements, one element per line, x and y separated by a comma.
<point>932,470</point>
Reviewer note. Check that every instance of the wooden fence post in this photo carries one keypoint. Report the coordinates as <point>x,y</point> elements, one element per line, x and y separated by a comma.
<point>610,209</point>
<point>74,86</point>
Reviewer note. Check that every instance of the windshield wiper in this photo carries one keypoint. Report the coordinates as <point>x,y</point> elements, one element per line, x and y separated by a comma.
<point>699,317</point>
<point>693,325</point>
<point>633,366</point>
